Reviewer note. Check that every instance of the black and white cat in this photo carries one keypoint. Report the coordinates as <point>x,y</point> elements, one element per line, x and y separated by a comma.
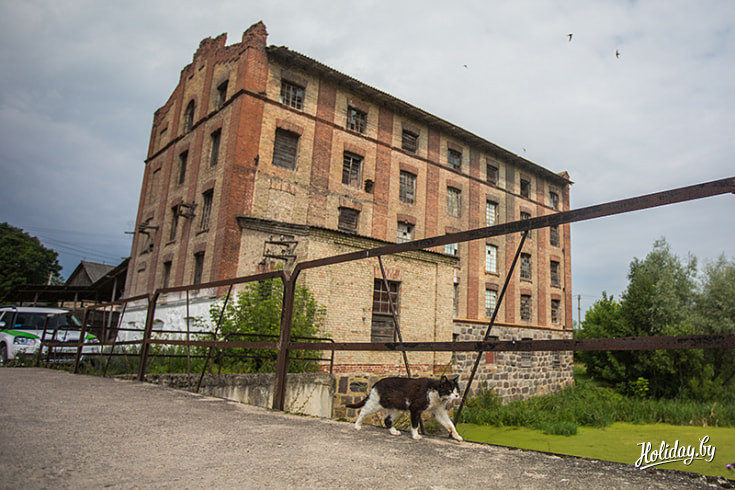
<point>413,394</point>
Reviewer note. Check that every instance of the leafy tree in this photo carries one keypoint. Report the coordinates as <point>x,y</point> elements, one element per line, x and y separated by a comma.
<point>24,260</point>
<point>255,315</point>
<point>714,313</point>
<point>658,301</point>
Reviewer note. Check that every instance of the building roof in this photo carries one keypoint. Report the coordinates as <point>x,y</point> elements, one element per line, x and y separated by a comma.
<point>87,273</point>
<point>289,56</point>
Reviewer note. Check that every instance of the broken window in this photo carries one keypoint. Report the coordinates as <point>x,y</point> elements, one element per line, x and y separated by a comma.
<point>221,94</point>
<point>491,258</point>
<point>454,158</point>
<point>405,232</point>
<point>526,267</point>
<point>407,187</point>
<point>292,95</point>
<point>525,188</point>
<point>189,117</point>
<point>206,209</point>
<point>491,300</point>
<point>554,273</point>
<point>198,267</point>
<point>356,120</point>
<point>383,328</point>
<point>351,169</point>
<point>555,310</point>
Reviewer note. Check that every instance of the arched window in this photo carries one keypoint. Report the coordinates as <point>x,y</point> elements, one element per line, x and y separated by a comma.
<point>189,117</point>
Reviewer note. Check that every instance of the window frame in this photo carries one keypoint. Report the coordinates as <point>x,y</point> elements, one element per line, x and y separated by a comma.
<point>407,187</point>
<point>207,199</point>
<point>356,120</point>
<point>352,169</point>
<point>454,159</point>
<point>292,94</point>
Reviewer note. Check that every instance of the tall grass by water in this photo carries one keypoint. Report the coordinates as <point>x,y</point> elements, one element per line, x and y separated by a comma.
<point>586,403</point>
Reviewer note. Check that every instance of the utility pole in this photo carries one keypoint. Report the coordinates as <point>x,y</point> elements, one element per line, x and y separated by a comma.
<point>579,311</point>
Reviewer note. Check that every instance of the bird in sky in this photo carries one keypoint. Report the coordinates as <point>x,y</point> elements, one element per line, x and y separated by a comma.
<point>570,36</point>
<point>617,53</point>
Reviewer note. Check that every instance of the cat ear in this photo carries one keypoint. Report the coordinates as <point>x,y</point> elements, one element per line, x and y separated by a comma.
<point>444,378</point>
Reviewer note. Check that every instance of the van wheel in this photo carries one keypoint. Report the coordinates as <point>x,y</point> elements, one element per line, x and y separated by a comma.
<point>3,355</point>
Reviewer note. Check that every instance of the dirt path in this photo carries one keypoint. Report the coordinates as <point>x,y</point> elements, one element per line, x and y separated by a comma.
<point>58,430</point>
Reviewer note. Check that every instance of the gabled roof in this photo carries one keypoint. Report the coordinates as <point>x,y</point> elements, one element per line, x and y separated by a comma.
<point>87,273</point>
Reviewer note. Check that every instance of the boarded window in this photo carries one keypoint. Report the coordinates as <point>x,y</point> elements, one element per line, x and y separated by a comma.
<point>351,169</point>
<point>292,95</point>
<point>526,356</point>
<point>409,141</point>
<point>454,202</point>
<point>356,120</point>
<point>407,187</point>
<point>348,220</point>
<point>284,148</point>
<point>383,329</point>
<point>492,174</point>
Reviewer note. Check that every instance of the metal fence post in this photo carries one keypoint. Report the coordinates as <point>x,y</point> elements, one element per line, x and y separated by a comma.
<point>147,336</point>
<point>289,291</point>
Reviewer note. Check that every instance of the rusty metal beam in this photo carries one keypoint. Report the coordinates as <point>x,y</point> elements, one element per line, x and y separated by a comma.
<point>699,191</point>
<point>678,342</point>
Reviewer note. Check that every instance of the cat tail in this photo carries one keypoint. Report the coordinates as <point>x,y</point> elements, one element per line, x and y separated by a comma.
<point>359,404</point>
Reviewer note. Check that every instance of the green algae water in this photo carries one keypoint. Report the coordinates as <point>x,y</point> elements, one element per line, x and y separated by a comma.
<point>661,446</point>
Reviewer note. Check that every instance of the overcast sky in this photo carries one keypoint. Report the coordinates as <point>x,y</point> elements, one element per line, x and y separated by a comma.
<point>80,80</point>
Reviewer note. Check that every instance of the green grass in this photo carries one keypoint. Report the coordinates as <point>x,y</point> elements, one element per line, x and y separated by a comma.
<point>617,442</point>
<point>587,404</point>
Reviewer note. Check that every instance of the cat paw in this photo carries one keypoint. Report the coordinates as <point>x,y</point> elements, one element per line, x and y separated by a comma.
<point>394,431</point>
<point>358,427</point>
<point>416,436</point>
<point>457,437</point>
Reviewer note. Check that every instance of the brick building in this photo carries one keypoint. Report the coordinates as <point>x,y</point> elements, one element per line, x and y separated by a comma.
<point>258,139</point>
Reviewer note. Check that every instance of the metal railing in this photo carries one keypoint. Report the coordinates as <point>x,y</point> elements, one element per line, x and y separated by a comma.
<point>285,342</point>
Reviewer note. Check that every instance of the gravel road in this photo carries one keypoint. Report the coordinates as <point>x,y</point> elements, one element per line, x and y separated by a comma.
<point>59,430</point>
